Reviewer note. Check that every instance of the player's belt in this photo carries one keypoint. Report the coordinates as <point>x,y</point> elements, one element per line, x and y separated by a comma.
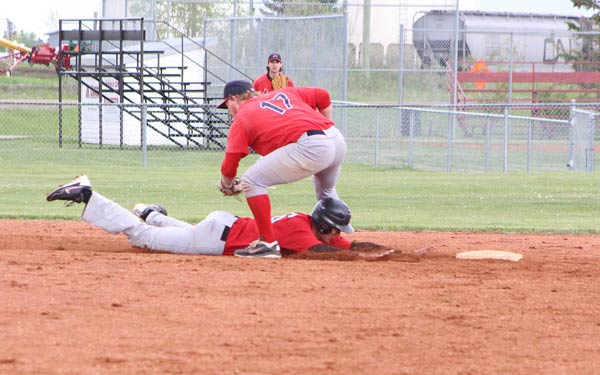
<point>225,233</point>
<point>315,132</point>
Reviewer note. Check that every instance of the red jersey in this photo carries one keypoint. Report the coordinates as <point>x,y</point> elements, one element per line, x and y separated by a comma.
<point>263,84</point>
<point>292,230</point>
<point>273,120</point>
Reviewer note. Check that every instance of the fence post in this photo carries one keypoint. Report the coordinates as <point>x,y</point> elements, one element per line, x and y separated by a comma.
<point>345,55</point>
<point>454,86</point>
<point>506,124</point>
<point>80,107</point>
<point>143,135</point>
<point>205,55</point>
<point>401,68</point>
<point>377,137</point>
<point>590,151</point>
<point>529,141</point>
<point>315,52</point>
<point>232,33</point>
<point>451,118</point>
<point>488,141</point>
<point>411,138</point>
<point>100,119</point>
<point>60,123</point>
<point>571,162</point>
<point>455,57</point>
<point>510,70</point>
<point>60,111</point>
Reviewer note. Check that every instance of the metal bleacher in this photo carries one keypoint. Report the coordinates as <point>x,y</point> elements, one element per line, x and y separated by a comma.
<point>117,50</point>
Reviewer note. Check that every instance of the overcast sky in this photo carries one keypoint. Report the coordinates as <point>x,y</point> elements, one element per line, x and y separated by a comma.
<point>37,15</point>
<point>562,7</point>
<point>41,16</point>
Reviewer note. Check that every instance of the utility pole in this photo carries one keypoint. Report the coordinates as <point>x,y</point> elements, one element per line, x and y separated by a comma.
<point>10,29</point>
<point>366,36</point>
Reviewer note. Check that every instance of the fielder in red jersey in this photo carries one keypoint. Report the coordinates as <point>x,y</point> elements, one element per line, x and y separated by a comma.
<point>271,121</point>
<point>292,129</point>
<point>274,78</point>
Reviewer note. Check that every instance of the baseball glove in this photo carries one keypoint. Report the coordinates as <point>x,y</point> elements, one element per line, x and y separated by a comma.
<point>280,81</point>
<point>231,191</point>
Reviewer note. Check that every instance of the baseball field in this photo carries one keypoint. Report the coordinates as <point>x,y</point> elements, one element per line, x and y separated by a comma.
<point>76,300</point>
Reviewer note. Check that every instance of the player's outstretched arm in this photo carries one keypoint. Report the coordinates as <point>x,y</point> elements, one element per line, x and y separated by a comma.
<point>367,246</point>
<point>328,252</point>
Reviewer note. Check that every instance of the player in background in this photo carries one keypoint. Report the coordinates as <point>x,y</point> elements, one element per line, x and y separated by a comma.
<point>220,233</point>
<point>292,129</point>
<point>274,79</point>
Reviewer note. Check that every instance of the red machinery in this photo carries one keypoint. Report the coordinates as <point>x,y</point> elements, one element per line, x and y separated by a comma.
<point>42,54</point>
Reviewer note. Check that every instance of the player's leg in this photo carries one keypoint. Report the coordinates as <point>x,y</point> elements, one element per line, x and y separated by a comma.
<point>288,164</point>
<point>325,180</point>
<point>156,215</point>
<point>267,171</point>
<point>266,246</point>
<point>207,237</point>
<point>284,165</point>
<point>158,219</point>
<point>204,238</point>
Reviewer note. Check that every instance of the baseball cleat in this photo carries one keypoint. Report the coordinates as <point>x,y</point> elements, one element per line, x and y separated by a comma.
<point>260,249</point>
<point>142,210</point>
<point>79,190</point>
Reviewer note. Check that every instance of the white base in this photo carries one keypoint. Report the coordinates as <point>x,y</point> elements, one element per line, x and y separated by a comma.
<point>490,254</point>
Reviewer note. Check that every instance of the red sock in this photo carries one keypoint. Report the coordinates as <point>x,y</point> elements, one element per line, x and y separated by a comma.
<point>260,206</point>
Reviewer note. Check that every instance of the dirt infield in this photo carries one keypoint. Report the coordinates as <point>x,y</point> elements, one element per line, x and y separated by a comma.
<point>76,300</point>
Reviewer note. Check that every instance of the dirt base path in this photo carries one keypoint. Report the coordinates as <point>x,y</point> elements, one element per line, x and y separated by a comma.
<point>76,300</point>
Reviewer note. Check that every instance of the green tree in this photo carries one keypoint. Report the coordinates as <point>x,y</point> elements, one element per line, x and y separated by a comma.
<point>186,16</point>
<point>588,56</point>
<point>299,8</point>
<point>27,39</point>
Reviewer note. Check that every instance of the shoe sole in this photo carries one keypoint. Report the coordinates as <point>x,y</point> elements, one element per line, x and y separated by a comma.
<point>80,183</point>
<point>65,194</point>
<point>268,256</point>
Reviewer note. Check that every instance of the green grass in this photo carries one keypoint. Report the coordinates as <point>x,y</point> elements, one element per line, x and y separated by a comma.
<point>381,198</point>
<point>41,83</point>
<point>35,83</point>
<point>382,87</point>
<point>402,199</point>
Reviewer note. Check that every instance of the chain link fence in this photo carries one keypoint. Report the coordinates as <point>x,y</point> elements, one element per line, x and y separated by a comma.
<point>313,50</point>
<point>431,139</point>
<point>439,56</point>
<point>128,135</point>
<point>459,56</point>
<point>440,139</point>
<point>582,140</point>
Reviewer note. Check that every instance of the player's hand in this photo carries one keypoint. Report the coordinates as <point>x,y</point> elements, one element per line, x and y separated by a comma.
<point>377,256</point>
<point>230,188</point>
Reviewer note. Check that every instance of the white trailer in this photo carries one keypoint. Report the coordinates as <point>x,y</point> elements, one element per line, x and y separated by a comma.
<point>495,38</point>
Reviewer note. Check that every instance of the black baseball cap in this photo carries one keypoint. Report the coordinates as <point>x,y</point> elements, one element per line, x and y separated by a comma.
<point>274,56</point>
<point>234,88</point>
